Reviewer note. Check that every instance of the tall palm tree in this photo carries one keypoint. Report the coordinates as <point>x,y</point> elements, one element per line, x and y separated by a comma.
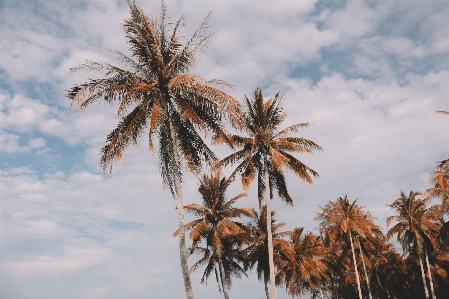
<point>307,268</point>
<point>214,224</point>
<point>257,251</point>
<point>416,228</point>
<point>265,152</point>
<point>342,219</point>
<point>155,91</point>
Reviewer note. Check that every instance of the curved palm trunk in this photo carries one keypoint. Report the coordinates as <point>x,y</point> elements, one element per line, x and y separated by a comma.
<point>429,275</point>
<point>181,228</point>
<point>364,268</point>
<point>222,275</point>
<point>355,266</point>
<point>270,236</point>
<point>423,276</point>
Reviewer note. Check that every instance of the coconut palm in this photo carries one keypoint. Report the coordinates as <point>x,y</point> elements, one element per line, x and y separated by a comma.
<point>155,92</point>
<point>307,268</point>
<point>439,178</point>
<point>265,152</point>
<point>225,264</point>
<point>257,251</point>
<point>215,226</point>
<point>342,219</point>
<point>388,268</point>
<point>416,228</point>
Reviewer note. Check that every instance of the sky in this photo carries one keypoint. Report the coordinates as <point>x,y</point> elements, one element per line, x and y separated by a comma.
<point>368,76</point>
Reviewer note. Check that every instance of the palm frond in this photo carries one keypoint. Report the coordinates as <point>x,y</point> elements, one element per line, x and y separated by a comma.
<point>126,133</point>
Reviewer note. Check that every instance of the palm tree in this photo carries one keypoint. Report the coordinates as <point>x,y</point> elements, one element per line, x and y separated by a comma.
<point>416,228</point>
<point>341,219</point>
<point>307,268</point>
<point>439,178</point>
<point>232,256</point>
<point>388,268</point>
<point>257,251</point>
<point>215,226</point>
<point>154,90</point>
<point>265,153</point>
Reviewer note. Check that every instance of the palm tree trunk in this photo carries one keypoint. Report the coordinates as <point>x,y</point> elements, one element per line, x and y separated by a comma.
<point>265,282</point>
<point>423,276</point>
<point>364,267</point>
<point>321,292</point>
<point>270,236</point>
<point>334,289</point>
<point>355,266</point>
<point>222,276</point>
<point>298,282</point>
<point>180,211</point>
<point>386,286</point>
<point>429,275</point>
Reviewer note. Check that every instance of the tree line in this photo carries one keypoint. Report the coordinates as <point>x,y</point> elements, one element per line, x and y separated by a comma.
<point>350,257</point>
<point>158,97</point>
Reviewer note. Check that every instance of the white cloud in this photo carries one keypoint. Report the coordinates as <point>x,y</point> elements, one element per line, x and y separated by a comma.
<point>36,143</point>
<point>22,114</point>
<point>9,143</point>
<point>353,21</point>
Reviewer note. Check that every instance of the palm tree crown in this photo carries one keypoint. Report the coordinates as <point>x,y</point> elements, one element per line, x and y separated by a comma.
<point>155,92</point>
<point>416,225</point>
<point>307,269</point>
<point>257,251</point>
<point>439,178</point>
<point>266,143</point>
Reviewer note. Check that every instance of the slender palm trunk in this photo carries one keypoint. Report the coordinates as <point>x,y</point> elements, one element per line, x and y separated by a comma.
<point>298,282</point>
<point>386,286</point>
<point>180,211</point>
<point>429,275</point>
<point>265,282</point>
<point>222,275</point>
<point>334,288</point>
<point>364,268</point>
<point>355,266</point>
<point>423,276</point>
<point>270,236</point>
<point>321,292</point>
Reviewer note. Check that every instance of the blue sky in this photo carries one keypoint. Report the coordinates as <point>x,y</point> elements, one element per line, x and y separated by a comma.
<point>369,75</point>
